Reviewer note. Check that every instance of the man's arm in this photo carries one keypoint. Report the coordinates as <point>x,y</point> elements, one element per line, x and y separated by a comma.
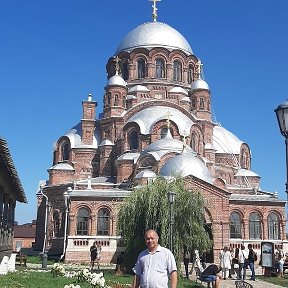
<point>136,281</point>
<point>173,279</point>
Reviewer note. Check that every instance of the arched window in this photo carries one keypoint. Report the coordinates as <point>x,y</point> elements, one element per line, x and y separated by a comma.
<point>103,222</point>
<point>201,104</point>
<point>273,226</point>
<point>160,69</point>
<point>235,225</point>
<point>244,160</point>
<point>65,151</point>
<point>133,140</point>
<point>254,226</point>
<point>190,74</point>
<point>163,132</point>
<point>124,70</point>
<point>82,221</point>
<point>116,100</point>
<point>56,224</point>
<point>141,67</point>
<point>193,104</point>
<point>193,142</point>
<point>177,71</point>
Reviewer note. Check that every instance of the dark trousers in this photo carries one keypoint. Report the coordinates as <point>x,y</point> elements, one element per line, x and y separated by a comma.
<point>186,263</point>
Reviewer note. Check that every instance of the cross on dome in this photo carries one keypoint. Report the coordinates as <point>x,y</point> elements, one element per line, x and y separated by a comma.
<point>117,66</point>
<point>168,115</point>
<point>154,14</point>
<point>198,69</point>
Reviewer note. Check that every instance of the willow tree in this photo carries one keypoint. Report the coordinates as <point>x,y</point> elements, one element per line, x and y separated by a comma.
<point>148,207</point>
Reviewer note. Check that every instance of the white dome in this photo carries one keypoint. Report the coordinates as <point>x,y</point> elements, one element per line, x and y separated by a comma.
<point>185,99</point>
<point>199,84</point>
<point>146,119</point>
<point>225,142</point>
<point>116,80</point>
<point>146,173</point>
<point>138,88</point>
<point>106,142</point>
<point>131,97</point>
<point>246,173</point>
<point>186,164</point>
<point>154,34</point>
<point>178,89</point>
<point>62,166</point>
<point>75,136</point>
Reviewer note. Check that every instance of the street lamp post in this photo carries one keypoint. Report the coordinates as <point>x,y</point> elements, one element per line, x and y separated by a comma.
<point>171,198</point>
<point>66,197</point>
<point>282,117</point>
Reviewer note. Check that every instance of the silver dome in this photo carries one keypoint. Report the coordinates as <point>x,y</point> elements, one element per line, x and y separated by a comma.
<point>147,118</point>
<point>116,80</point>
<point>138,88</point>
<point>75,135</point>
<point>154,34</point>
<point>178,89</point>
<point>62,166</point>
<point>146,173</point>
<point>225,142</point>
<point>186,164</point>
<point>246,173</point>
<point>199,84</point>
<point>106,142</point>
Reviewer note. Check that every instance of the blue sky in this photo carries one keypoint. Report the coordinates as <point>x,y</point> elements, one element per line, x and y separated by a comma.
<point>53,54</point>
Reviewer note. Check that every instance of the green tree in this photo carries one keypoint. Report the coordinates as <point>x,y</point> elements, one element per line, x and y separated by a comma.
<point>148,207</point>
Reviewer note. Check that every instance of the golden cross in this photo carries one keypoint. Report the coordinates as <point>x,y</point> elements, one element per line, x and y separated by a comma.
<point>168,115</point>
<point>154,14</point>
<point>117,67</point>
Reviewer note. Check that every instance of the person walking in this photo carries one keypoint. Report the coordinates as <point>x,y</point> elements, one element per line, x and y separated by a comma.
<point>186,260</point>
<point>243,255</point>
<point>235,263</point>
<point>98,256</point>
<point>252,257</point>
<point>93,254</point>
<point>225,262</point>
<point>154,265</point>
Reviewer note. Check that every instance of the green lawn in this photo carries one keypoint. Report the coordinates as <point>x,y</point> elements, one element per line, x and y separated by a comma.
<point>276,280</point>
<point>24,278</point>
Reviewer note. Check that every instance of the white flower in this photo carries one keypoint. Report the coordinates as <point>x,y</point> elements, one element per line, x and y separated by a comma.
<point>102,282</point>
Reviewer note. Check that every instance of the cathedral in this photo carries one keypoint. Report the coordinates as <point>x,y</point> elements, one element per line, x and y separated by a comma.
<point>156,122</point>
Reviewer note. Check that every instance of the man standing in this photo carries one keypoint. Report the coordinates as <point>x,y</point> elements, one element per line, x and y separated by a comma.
<point>93,254</point>
<point>186,260</point>
<point>154,265</point>
<point>252,257</point>
<point>242,257</point>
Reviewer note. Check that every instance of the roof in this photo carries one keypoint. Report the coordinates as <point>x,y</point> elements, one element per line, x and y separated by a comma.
<point>8,177</point>
<point>25,231</point>
<point>226,142</point>
<point>146,118</point>
<point>184,164</point>
<point>75,136</point>
<point>255,198</point>
<point>154,34</point>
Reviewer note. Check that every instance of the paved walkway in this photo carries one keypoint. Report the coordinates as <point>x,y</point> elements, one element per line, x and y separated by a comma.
<point>230,283</point>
